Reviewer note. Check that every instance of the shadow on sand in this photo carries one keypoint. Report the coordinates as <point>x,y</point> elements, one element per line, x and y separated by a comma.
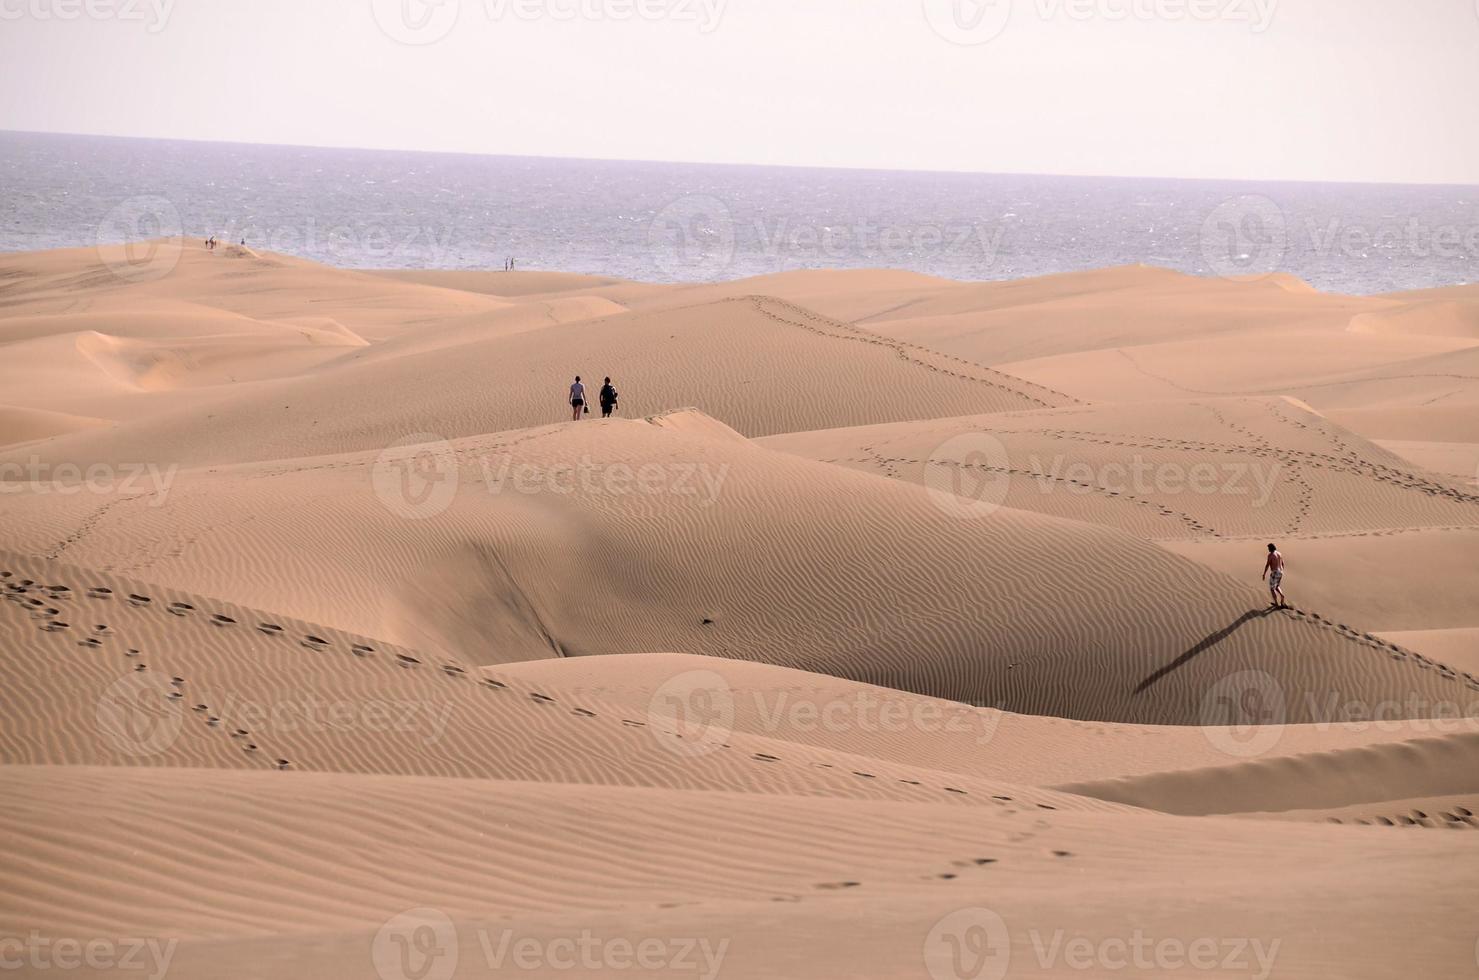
<point>1205,644</point>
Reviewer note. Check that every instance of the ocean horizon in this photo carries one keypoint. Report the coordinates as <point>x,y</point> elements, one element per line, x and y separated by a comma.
<point>691,222</point>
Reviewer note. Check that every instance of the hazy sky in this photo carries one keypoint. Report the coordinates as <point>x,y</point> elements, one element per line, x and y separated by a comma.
<point>1300,89</point>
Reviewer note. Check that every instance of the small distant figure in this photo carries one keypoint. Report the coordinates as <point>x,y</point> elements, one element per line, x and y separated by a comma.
<point>243,243</point>
<point>577,400</point>
<point>608,399</point>
<point>1273,570</point>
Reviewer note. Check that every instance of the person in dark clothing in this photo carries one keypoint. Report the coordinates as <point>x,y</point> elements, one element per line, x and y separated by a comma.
<point>608,399</point>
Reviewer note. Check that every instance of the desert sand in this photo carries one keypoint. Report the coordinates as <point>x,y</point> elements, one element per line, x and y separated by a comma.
<point>895,627</point>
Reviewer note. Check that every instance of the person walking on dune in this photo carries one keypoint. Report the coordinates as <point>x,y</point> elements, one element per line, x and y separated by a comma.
<point>1273,570</point>
<point>608,399</point>
<point>577,399</point>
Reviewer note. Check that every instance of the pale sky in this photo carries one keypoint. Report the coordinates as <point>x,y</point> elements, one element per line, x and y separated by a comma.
<point>1381,90</point>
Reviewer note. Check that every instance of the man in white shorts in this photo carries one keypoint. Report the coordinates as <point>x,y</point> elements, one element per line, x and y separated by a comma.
<point>1273,570</point>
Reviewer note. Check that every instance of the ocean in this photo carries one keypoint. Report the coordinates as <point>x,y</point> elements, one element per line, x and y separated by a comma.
<point>684,222</point>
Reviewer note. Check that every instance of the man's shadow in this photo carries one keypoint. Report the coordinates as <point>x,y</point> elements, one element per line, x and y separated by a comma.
<point>1205,644</point>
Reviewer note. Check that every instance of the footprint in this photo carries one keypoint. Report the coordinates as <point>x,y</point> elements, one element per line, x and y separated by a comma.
<point>221,620</point>
<point>834,885</point>
<point>315,642</point>
<point>360,650</point>
<point>59,591</point>
<point>452,670</point>
<point>99,592</point>
<point>181,608</point>
<point>496,685</point>
<point>587,713</point>
<point>271,629</point>
<point>54,627</point>
<point>406,661</point>
<point>283,763</point>
<point>102,629</point>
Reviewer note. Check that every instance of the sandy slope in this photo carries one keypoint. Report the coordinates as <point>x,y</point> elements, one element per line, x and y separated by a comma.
<point>317,610</point>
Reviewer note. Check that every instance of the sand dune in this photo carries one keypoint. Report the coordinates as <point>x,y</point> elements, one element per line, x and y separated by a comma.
<point>1197,470</point>
<point>919,615</point>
